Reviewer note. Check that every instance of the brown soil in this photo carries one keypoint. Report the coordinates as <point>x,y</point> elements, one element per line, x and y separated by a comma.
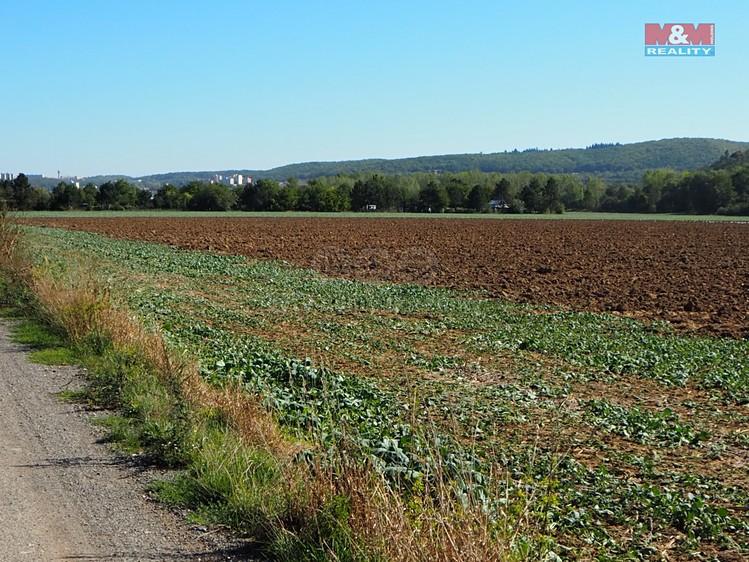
<point>694,275</point>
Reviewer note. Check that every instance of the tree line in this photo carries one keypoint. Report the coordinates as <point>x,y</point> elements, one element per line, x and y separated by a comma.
<point>705,192</point>
<point>420,192</point>
<point>722,189</point>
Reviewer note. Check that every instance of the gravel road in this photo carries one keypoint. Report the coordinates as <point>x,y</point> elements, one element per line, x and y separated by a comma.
<point>64,495</point>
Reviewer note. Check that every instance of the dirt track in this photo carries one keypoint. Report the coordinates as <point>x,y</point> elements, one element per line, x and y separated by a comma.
<point>63,496</point>
<point>695,275</point>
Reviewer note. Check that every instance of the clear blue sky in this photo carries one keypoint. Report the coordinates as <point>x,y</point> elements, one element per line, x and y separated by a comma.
<point>140,87</point>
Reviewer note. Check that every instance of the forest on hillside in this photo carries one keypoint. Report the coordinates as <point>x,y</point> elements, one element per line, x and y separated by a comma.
<point>613,162</point>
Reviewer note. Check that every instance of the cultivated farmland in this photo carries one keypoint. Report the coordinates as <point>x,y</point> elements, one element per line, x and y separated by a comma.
<point>590,434</point>
<point>695,275</point>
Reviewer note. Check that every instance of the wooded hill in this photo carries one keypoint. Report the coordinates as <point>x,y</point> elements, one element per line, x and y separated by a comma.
<point>611,162</point>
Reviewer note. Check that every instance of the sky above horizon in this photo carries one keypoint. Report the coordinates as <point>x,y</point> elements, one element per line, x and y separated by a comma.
<point>146,87</point>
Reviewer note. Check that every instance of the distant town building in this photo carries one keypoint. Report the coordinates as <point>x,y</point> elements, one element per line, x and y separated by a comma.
<point>9,176</point>
<point>233,180</point>
<point>60,177</point>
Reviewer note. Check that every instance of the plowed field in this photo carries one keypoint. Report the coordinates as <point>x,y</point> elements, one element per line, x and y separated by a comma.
<point>695,275</point>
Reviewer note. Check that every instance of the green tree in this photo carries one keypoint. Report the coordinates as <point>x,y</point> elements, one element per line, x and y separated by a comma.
<point>343,188</point>
<point>373,190</point>
<point>502,190</point>
<point>572,191</point>
<point>409,189</point>
<point>457,191</point>
<point>595,189</point>
<point>655,183</point>
<point>288,197</point>
<point>39,199</point>
<point>434,197</point>
<point>65,196</point>
<point>263,195</point>
<point>709,191</point>
<point>532,195</point>
<point>478,198</point>
<point>144,199</point>
<point>740,181</point>
<point>88,196</point>
<point>21,190</point>
<point>551,201</point>
<point>119,194</point>
<point>169,197</point>
<point>211,197</point>
<point>6,195</point>
<point>319,196</point>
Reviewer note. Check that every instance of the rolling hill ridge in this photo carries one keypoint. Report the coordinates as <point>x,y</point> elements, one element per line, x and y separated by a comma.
<point>613,162</point>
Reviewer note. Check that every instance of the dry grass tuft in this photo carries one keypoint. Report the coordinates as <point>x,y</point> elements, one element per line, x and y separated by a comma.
<point>12,259</point>
<point>429,526</point>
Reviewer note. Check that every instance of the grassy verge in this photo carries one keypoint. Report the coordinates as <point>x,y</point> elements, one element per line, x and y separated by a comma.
<point>236,466</point>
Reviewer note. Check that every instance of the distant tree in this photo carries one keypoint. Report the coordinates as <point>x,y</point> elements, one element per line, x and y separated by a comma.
<point>572,192</point>
<point>310,197</point>
<point>656,183</point>
<point>409,189</point>
<point>370,191</point>
<point>638,202</point>
<point>434,197</point>
<point>318,196</point>
<point>740,181</point>
<point>595,189</point>
<point>732,159</point>
<point>478,198</point>
<point>709,191</point>
<point>88,196</point>
<point>261,196</point>
<point>126,194</point>
<point>144,199</point>
<point>343,188</point>
<point>21,190</point>
<point>211,197</point>
<point>39,200</point>
<point>169,197</point>
<point>6,195</point>
<point>117,195</point>
<point>551,201</point>
<point>288,197</point>
<point>457,191</point>
<point>65,196</point>
<point>675,197</point>
<point>739,204</point>
<point>532,195</point>
<point>618,199</point>
<point>502,190</point>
